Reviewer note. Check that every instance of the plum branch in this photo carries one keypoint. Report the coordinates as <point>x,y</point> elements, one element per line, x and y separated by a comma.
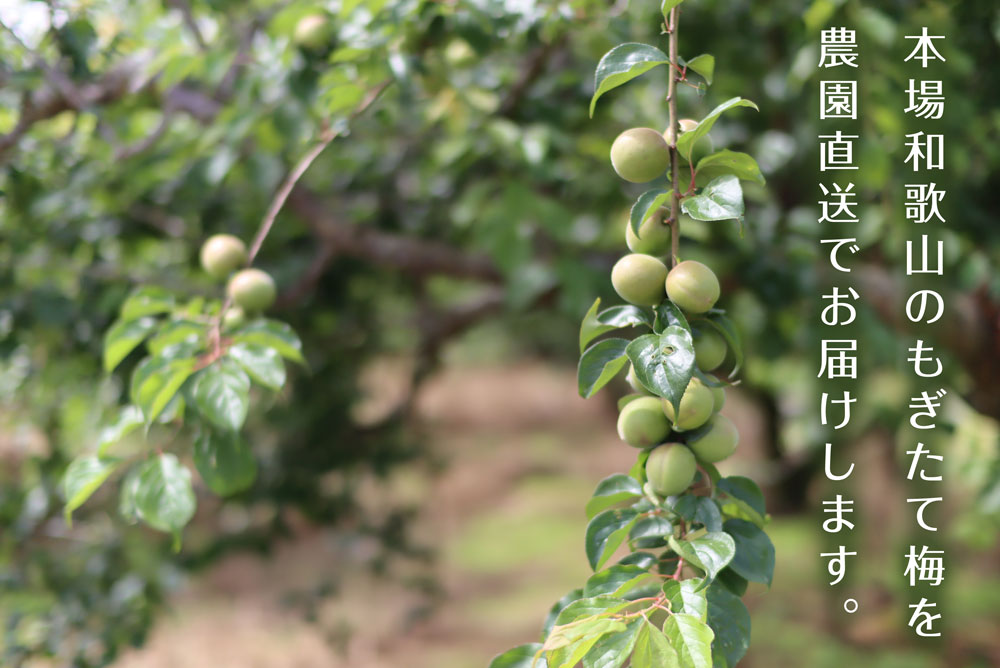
<point>675,198</point>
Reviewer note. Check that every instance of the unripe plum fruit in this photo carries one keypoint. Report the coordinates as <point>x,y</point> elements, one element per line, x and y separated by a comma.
<point>252,290</point>
<point>692,286</point>
<point>313,31</point>
<point>640,155</point>
<point>642,422</point>
<point>222,254</point>
<point>719,394</point>
<point>717,442</point>
<point>639,279</point>
<point>697,405</point>
<point>670,468</point>
<point>234,317</point>
<point>653,237</point>
<point>709,348</point>
<point>634,383</point>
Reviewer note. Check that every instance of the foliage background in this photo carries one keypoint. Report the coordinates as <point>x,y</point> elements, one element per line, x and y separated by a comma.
<point>469,218</point>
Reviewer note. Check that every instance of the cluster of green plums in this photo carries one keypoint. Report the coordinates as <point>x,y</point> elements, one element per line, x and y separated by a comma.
<point>696,432</point>
<point>251,290</point>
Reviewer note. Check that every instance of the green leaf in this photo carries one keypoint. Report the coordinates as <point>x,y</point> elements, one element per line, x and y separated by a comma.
<point>645,560</point>
<point>273,334</point>
<point>147,300</point>
<point>699,510</point>
<point>616,581</point>
<point>728,578</point>
<point>164,498</point>
<point>646,205</point>
<point>667,5</point>
<point>557,608</point>
<point>710,552</point>
<point>754,558</point>
<point>123,337</point>
<point>83,477</point>
<point>184,334</point>
<point>520,657</point>
<point>721,199</point>
<point>580,626</point>
<point>224,462</point>
<point>728,330</point>
<point>729,619</point>
<point>221,392</point>
<point>611,491</point>
<point>669,314</point>
<point>744,489</point>
<point>129,418</point>
<point>691,638</point>
<point>653,649</point>
<point>650,532</point>
<point>739,165</point>
<point>599,364</point>
<point>155,382</point>
<point>616,317</point>
<point>687,597</point>
<point>262,363</point>
<point>612,650</point>
<point>686,142</point>
<point>664,363</point>
<point>703,65</point>
<point>606,532</point>
<point>622,64</point>
<point>594,606</point>
<point>126,499</point>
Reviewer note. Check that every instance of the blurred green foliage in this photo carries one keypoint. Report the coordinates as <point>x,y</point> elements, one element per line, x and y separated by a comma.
<point>475,187</point>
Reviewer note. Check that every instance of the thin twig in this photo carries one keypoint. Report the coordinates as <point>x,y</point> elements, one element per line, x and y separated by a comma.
<point>327,135</point>
<point>675,199</point>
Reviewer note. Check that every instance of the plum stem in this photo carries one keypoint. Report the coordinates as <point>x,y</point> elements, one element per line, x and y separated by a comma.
<point>675,199</point>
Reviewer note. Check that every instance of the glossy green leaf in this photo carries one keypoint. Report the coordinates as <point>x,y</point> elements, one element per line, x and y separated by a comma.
<point>687,597</point>
<point>522,656</point>
<point>615,580</point>
<point>155,382</point>
<point>667,5</point>
<point>650,532</point>
<point>691,638</point>
<point>699,510</point>
<point>123,337</point>
<point>129,418</point>
<point>164,497</point>
<point>622,64</point>
<point>272,334</point>
<point>611,491</point>
<point>653,649</point>
<point>221,392</point>
<point>728,578</point>
<point>711,552</point>
<point>686,142</point>
<point>612,650</point>
<point>558,607</point>
<point>669,314</point>
<point>146,300</point>
<point>721,199</point>
<point>83,477</point>
<point>599,364</point>
<point>606,532</point>
<point>744,489</point>
<point>740,165</point>
<point>224,461</point>
<point>754,558</point>
<point>646,206</point>
<point>703,65</point>
<point>178,332</point>
<point>729,619</point>
<point>664,363</point>
<point>616,317</point>
<point>263,364</point>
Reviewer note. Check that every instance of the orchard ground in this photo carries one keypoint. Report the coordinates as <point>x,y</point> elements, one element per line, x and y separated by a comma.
<point>522,454</point>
